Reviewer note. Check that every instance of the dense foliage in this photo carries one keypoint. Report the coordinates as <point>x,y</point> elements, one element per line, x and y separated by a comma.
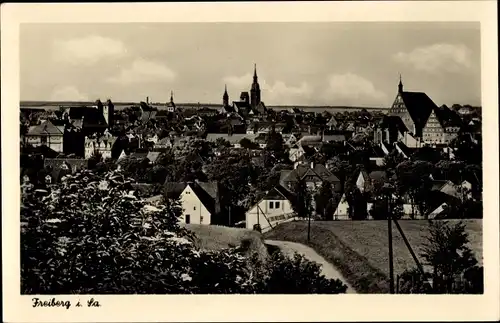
<point>92,234</point>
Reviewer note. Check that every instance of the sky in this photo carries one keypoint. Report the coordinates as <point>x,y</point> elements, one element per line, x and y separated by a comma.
<point>298,63</point>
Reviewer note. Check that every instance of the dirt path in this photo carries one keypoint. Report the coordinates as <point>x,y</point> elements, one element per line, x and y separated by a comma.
<point>289,248</point>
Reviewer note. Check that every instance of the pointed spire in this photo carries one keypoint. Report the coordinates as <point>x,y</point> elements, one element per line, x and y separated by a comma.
<point>400,86</point>
<point>254,70</point>
<point>171,96</point>
<point>225,88</point>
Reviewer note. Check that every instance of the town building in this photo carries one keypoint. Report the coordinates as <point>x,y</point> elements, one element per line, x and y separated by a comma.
<point>46,134</point>
<point>200,201</point>
<point>274,208</point>
<point>442,126</point>
<point>414,109</point>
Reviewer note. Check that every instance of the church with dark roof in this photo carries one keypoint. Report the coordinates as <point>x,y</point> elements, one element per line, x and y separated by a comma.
<point>414,120</point>
<point>250,104</point>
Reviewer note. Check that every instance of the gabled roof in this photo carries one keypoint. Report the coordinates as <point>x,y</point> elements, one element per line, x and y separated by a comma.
<point>207,192</point>
<point>419,106</point>
<point>174,189</point>
<point>46,128</point>
<point>153,156</point>
<point>302,171</point>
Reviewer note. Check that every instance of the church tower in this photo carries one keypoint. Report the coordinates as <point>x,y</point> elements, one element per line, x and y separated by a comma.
<point>255,90</point>
<point>225,97</point>
<point>171,104</point>
<point>400,85</point>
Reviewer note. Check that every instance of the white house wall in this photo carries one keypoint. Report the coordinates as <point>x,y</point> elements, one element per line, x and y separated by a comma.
<point>263,214</point>
<point>192,205</point>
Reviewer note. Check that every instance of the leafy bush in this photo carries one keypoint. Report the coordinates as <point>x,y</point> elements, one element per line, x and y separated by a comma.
<point>91,234</point>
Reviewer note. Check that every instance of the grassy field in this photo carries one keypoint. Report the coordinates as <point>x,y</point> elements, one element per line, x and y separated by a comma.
<point>213,237</point>
<point>359,249</point>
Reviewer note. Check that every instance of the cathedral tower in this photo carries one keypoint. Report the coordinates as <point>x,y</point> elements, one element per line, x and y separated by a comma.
<point>255,90</point>
<point>225,97</point>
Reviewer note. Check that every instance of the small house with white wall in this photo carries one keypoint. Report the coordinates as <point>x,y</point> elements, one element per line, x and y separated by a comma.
<point>200,200</point>
<point>273,209</point>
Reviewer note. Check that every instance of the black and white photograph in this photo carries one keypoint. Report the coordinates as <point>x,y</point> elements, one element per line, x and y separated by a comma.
<point>240,157</point>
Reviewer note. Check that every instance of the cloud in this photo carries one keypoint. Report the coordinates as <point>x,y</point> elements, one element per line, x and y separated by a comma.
<point>88,50</point>
<point>143,71</point>
<point>352,89</point>
<point>437,57</point>
<point>68,93</point>
<point>276,93</point>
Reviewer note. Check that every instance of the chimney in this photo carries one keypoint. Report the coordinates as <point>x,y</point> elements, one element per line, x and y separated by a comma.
<point>147,99</point>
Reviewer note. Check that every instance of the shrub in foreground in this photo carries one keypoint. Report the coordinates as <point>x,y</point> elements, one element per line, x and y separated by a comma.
<point>91,234</point>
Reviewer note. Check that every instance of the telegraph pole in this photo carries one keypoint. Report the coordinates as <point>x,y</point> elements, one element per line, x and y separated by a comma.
<point>389,231</point>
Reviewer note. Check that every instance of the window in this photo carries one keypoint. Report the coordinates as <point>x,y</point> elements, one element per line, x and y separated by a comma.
<point>271,205</point>
<point>276,205</point>
<point>188,218</point>
<point>194,208</point>
<point>188,192</point>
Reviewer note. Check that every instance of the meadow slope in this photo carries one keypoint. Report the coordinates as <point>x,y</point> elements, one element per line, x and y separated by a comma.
<point>359,249</point>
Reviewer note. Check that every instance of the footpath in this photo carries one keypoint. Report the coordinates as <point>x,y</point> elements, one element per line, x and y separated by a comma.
<point>290,248</point>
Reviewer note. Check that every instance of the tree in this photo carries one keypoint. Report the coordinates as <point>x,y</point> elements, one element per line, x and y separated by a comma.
<point>91,234</point>
<point>454,267</point>
<point>357,204</point>
<point>303,202</point>
<point>323,198</point>
<point>413,179</point>
<point>248,144</point>
<point>221,142</point>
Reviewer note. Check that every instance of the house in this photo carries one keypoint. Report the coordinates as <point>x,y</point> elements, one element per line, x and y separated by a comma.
<point>377,155</point>
<point>200,201</point>
<point>274,208</point>
<point>332,123</point>
<point>342,209</point>
<point>446,187</point>
<point>153,156</point>
<point>314,175</point>
<point>46,134</point>
<point>99,144</point>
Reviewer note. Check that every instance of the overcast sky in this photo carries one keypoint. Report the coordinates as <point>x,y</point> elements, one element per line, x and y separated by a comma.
<point>298,63</point>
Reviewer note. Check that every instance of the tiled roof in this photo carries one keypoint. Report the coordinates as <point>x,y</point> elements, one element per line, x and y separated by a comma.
<point>302,171</point>
<point>45,128</point>
<point>174,189</point>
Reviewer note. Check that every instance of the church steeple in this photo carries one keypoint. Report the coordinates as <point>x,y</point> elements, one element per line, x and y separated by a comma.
<point>225,97</point>
<point>400,85</point>
<point>255,90</point>
<point>171,96</point>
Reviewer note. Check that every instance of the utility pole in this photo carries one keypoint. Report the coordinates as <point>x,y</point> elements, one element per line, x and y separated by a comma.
<point>389,231</point>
